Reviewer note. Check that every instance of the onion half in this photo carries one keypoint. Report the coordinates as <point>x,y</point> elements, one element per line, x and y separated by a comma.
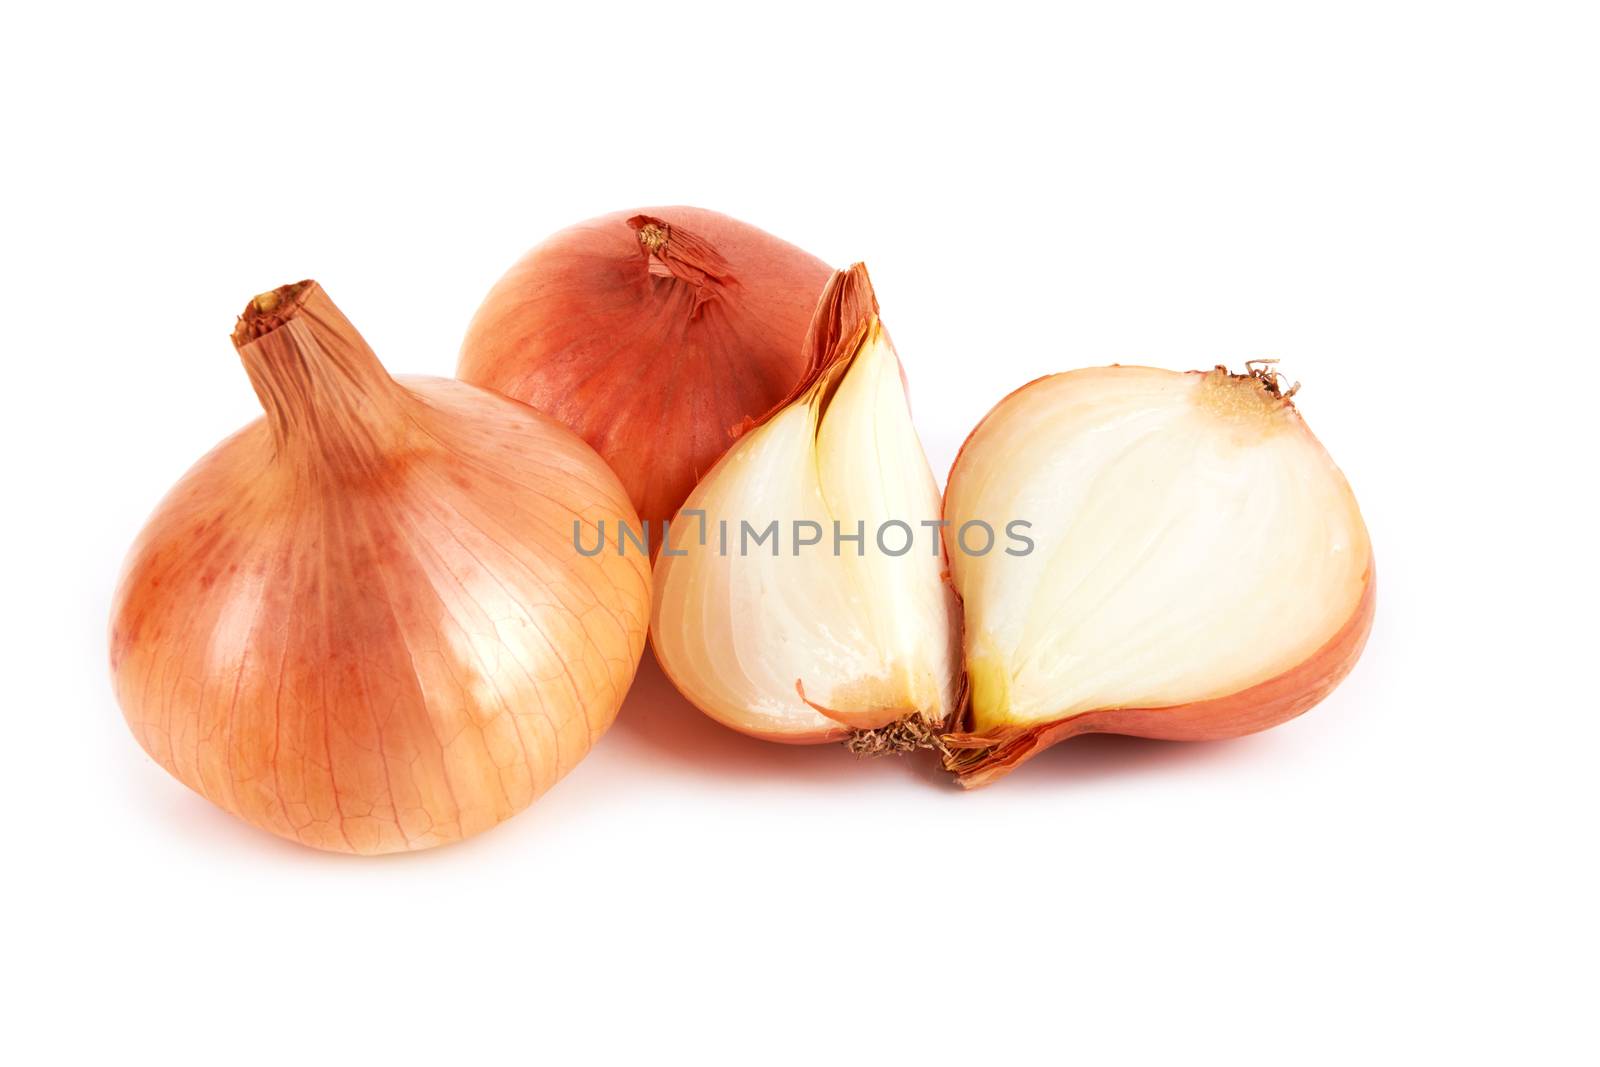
<point>653,335</point>
<point>1200,567</point>
<point>360,623</point>
<point>810,642</point>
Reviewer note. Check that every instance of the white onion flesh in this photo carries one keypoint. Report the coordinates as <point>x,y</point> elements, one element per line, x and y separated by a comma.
<point>871,638</point>
<point>1193,539</point>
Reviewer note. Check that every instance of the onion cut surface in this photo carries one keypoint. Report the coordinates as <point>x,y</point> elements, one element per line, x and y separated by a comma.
<point>807,645</point>
<point>360,623</point>
<point>1201,569</point>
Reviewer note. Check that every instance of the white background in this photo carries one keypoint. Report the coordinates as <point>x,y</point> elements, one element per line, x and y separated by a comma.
<point>1400,200</point>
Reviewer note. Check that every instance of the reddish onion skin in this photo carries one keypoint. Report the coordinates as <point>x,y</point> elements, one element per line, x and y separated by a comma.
<point>654,334</point>
<point>361,623</point>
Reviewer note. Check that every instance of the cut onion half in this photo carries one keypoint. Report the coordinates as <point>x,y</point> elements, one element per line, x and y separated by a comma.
<point>847,637</point>
<point>1199,567</point>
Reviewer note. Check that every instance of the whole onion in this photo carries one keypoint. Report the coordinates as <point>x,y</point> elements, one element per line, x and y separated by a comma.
<point>360,623</point>
<point>653,334</point>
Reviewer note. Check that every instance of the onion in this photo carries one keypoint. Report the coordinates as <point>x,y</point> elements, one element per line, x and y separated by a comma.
<point>360,623</point>
<point>802,637</point>
<point>651,334</point>
<point>1200,567</point>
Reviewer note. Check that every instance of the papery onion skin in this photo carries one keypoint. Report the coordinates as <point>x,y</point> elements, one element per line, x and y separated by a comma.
<point>360,623</point>
<point>979,756</point>
<point>653,334</point>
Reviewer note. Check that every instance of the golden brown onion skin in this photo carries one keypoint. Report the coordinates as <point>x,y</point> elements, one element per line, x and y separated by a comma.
<point>653,334</point>
<point>361,623</point>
